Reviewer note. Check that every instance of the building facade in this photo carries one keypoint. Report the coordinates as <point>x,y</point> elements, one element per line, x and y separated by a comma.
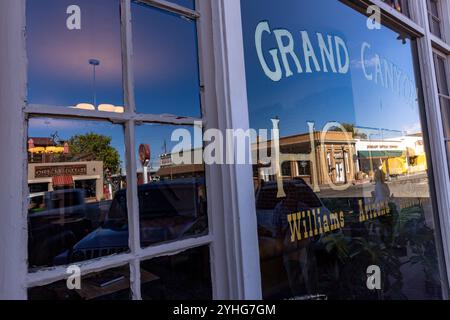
<point>347,169</point>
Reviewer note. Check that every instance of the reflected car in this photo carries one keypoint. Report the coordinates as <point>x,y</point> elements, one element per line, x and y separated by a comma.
<point>169,211</point>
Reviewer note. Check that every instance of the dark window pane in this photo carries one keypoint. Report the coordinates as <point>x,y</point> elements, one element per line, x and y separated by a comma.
<point>345,100</point>
<point>63,54</point>
<point>435,26</point>
<point>433,7</point>
<point>172,194</point>
<point>165,62</point>
<point>185,276</point>
<point>190,4</point>
<point>112,284</point>
<point>434,17</point>
<point>75,171</point>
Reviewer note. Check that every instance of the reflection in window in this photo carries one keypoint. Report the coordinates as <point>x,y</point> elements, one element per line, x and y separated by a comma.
<point>172,188</point>
<point>364,198</point>
<point>190,4</point>
<point>112,284</point>
<point>434,17</point>
<point>75,170</point>
<point>165,62</point>
<point>185,276</point>
<point>75,58</point>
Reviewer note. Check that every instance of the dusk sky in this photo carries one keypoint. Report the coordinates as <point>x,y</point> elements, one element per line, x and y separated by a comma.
<point>166,69</point>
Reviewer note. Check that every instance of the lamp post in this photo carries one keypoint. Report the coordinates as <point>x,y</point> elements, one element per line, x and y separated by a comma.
<point>94,63</point>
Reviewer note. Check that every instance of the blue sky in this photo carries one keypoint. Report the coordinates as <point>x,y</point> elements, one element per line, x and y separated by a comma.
<point>166,68</point>
<point>323,97</point>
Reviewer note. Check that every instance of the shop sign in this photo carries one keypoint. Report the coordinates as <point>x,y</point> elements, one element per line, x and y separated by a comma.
<point>52,171</point>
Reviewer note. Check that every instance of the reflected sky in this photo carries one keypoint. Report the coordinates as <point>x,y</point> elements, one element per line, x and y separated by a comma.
<point>324,97</point>
<point>58,71</point>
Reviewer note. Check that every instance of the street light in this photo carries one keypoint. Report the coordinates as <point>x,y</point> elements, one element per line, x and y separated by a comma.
<point>94,63</point>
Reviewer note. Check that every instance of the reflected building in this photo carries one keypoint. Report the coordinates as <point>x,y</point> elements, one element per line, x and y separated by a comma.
<point>333,154</point>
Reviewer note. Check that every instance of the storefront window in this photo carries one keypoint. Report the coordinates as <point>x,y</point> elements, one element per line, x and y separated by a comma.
<point>106,184</point>
<point>81,163</point>
<point>444,95</point>
<point>345,99</point>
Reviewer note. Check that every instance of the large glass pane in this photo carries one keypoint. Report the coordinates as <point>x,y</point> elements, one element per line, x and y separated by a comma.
<point>434,17</point>
<point>172,188</point>
<point>341,180</point>
<point>185,276</point>
<point>165,62</point>
<point>441,74</point>
<point>75,172</point>
<point>74,54</point>
<point>112,284</point>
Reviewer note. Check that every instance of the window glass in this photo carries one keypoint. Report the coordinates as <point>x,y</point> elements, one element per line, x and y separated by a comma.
<point>165,62</point>
<point>340,103</point>
<point>75,174</point>
<point>74,54</point>
<point>190,4</point>
<point>441,75</point>
<point>445,108</point>
<point>111,284</point>
<point>399,5</point>
<point>185,276</point>
<point>172,188</point>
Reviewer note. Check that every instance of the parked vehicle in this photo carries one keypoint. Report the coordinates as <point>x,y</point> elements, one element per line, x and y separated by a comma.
<point>169,210</point>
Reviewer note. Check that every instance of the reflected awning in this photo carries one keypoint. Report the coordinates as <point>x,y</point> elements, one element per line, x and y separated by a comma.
<point>62,181</point>
<point>380,154</point>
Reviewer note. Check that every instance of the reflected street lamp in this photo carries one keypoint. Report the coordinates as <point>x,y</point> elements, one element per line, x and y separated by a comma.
<point>94,63</point>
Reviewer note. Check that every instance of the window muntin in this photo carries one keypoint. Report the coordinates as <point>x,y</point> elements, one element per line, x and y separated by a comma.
<point>61,68</point>
<point>166,68</point>
<point>82,163</point>
<point>375,204</point>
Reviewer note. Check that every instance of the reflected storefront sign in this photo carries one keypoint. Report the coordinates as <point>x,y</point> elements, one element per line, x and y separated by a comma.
<point>350,189</point>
